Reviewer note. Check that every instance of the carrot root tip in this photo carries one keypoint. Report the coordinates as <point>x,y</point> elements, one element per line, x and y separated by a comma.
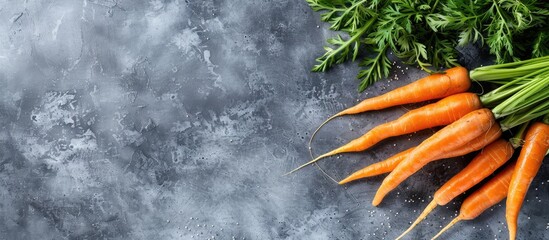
<point>452,223</point>
<point>432,205</point>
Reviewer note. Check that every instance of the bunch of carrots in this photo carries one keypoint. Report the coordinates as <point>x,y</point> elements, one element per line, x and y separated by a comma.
<point>471,123</point>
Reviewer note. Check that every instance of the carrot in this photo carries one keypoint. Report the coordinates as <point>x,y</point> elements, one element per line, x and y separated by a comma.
<point>484,164</point>
<point>440,113</point>
<point>378,168</point>
<point>485,197</point>
<point>454,80</point>
<point>536,144</point>
<point>447,139</point>
<point>389,164</point>
<point>435,86</point>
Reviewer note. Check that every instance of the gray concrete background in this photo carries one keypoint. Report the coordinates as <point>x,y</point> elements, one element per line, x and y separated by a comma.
<point>176,120</point>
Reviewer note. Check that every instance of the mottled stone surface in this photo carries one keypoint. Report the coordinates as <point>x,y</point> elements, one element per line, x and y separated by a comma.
<point>166,119</point>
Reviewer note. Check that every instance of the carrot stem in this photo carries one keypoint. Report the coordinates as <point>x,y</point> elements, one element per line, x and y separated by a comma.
<point>509,88</point>
<point>532,93</point>
<point>495,73</point>
<point>524,116</point>
<point>523,95</point>
<point>518,139</point>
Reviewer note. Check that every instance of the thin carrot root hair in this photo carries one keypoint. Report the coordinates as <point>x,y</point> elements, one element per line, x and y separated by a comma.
<point>311,162</point>
<point>432,205</point>
<point>452,223</point>
<point>480,85</point>
<point>311,150</point>
<point>317,129</point>
<point>325,173</point>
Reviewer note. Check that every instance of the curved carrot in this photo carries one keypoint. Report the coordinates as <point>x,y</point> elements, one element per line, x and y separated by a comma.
<point>484,164</point>
<point>378,168</point>
<point>454,80</point>
<point>435,86</point>
<point>485,197</point>
<point>389,164</point>
<point>440,113</point>
<point>445,140</point>
<point>536,144</point>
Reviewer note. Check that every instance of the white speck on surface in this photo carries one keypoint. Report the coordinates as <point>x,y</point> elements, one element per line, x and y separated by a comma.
<point>187,40</point>
<point>56,28</point>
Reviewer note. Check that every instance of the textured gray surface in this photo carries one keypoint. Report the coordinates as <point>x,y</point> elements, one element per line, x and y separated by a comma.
<point>176,119</point>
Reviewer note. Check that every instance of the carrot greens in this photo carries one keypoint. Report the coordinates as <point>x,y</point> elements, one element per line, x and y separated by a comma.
<point>523,94</point>
<point>427,32</point>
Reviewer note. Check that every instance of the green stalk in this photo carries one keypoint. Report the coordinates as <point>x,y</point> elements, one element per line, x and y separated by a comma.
<point>499,94</point>
<point>511,87</point>
<point>489,74</point>
<point>515,65</point>
<point>524,95</point>
<point>526,115</point>
<point>518,139</point>
<point>532,93</point>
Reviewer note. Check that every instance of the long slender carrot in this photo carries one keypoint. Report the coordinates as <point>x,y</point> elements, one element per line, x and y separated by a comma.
<point>485,197</point>
<point>440,113</point>
<point>435,86</point>
<point>378,168</point>
<point>484,164</point>
<point>445,140</point>
<point>536,144</point>
<point>389,164</point>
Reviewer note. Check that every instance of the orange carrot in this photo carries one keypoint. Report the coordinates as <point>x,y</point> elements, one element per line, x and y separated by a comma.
<point>378,168</point>
<point>536,144</point>
<point>389,164</point>
<point>435,86</point>
<point>440,113</point>
<point>485,197</point>
<point>484,164</point>
<point>445,140</point>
